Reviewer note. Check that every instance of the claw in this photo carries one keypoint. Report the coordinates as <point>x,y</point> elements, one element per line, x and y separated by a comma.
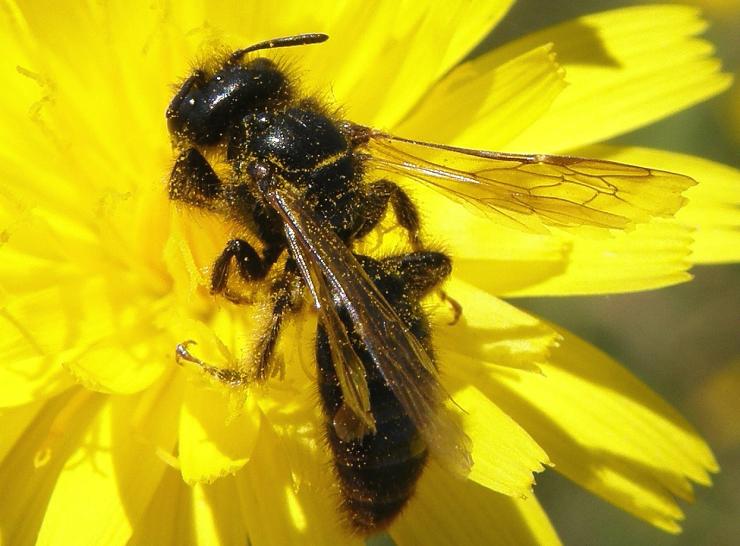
<point>232,378</point>
<point>457,309</point>
<point>182,353</point>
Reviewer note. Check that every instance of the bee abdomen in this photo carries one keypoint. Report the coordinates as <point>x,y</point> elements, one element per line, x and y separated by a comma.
<point>377,473</point>
<point>373,497</point>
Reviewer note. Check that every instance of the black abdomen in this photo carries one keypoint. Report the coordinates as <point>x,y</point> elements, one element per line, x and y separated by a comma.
<point>377,474</point>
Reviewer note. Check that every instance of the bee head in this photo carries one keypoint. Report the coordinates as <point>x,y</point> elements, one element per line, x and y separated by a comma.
<point>205,107</point>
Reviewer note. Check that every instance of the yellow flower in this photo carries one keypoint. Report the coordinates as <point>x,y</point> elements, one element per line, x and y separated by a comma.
<point>106,441</point>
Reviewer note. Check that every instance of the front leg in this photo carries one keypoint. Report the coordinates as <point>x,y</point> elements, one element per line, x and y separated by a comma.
<point>193,181</point>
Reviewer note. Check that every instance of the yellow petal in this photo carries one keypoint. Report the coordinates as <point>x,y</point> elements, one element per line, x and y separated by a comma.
<point>404,48</point>
<point>482,104</point>
<point>114,366</point>
<point>447,511</point>
<point>490,330</point>
<point>625,68</point>
<point>122,90</point>
<point>215,438</point>
<point>38,245</point>
<point>218,517</point>
<point>504,455</point>
<point>114,463</point>
<point>21,386</point>
<point>35,331</point>
<point>277,511</point>
<point>185,255</point>
<point>31,469</point>
<point>649,256</point>
<point>106,343</point>
<point>15,422</point>
<point>607,431</point>
<point>713,208</point>
<point>169,517</point>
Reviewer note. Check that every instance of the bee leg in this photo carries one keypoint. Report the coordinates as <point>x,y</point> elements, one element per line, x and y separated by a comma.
<point>193,180</point>
<point>456,306</point>
<point>379,195</point>
<point>287,295</point>
<point>232,378</point>
<point>420,271</point>
<point>423,271</point>
<point>248,262</point>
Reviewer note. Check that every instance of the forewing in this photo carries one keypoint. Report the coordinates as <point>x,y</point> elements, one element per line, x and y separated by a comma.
<point>407,368</point>
<point>531,192</point>
<point>354,419</point>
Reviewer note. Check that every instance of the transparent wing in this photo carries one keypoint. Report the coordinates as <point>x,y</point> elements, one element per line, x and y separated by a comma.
<point>354,419</point>
<point>532,191</point>
<point>406,367</point>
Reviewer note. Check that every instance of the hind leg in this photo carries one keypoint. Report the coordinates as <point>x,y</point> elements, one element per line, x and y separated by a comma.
<point>423,271</point>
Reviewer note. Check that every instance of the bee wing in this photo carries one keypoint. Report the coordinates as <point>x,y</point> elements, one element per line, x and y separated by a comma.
<point>354,419</point>
<point>328,265</point>
<point>531,192</point>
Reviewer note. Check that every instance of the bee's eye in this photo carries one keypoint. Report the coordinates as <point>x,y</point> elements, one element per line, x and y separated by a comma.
<point>183,103</point>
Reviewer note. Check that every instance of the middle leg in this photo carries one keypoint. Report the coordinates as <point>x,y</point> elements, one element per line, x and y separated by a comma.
<point>380,195</point>
<point>248,262</point>
<point>287,297</point>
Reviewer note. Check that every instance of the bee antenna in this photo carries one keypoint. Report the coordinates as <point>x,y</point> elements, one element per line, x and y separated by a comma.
<point>286,41</point>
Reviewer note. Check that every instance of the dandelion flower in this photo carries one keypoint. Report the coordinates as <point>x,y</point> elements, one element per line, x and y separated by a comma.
<point>106,441</point>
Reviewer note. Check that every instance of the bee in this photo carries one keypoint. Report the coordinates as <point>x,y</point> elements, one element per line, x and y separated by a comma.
<point>299,180</point>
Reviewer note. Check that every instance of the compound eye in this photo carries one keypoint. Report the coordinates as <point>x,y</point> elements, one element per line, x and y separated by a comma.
<point>178,112</point>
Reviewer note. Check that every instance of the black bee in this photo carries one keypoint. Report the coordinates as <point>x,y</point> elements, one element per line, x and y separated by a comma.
<point>299,180</point>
